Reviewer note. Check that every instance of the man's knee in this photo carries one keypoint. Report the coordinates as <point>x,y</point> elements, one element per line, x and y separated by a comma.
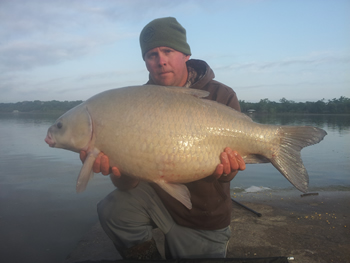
<point>107,207</point>
<point>124,219</point>
<point>120,207</point>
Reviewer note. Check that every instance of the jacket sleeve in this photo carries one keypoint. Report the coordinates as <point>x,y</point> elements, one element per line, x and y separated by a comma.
<point>227,178</point>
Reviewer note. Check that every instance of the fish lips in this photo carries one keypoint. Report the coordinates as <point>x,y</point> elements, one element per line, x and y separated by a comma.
<point>49,140</point>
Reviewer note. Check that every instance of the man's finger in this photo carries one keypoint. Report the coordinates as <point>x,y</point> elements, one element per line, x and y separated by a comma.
<point>219,171</point>
<point>105,165</point>
<point>116,172</point>
<point>240,161</point>
<point>97,164</point>
<point>225,162</point>
<point>232,158</point>
<point>82,156</point>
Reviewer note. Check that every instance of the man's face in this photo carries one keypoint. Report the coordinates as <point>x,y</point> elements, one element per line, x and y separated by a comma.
<point>167,66</point>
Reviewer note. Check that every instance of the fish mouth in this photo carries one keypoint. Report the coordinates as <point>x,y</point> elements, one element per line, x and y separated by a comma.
<point>49,140</point>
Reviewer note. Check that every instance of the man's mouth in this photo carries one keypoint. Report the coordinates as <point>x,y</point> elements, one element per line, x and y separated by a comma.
<point>164,73</point>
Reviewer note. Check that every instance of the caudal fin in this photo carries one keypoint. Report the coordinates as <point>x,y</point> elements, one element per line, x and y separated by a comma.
<point>288,160</point>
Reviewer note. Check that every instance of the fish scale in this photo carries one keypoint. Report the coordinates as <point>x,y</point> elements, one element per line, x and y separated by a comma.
<point>171,136</point>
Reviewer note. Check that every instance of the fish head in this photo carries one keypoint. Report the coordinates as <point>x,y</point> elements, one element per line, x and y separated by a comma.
<point>72,131</point>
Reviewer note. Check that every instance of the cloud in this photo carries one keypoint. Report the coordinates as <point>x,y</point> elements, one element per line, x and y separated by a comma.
<point>40,32</point>
<point>315,60</point>
<point>27,55</point>
<point>30,18</point>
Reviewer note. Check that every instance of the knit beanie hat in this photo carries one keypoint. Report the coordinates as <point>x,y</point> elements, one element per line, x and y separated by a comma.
<point>164,32</point>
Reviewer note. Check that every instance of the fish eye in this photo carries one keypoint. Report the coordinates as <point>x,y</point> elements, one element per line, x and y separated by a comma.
<point>59,125</point>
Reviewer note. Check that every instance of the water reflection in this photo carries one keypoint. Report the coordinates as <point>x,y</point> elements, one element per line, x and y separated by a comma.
<point>30,117</point>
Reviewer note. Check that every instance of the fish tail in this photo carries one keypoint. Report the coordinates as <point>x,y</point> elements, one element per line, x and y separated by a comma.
<point>287,158</point>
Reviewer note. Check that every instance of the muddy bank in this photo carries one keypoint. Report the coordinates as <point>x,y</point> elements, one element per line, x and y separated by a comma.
<point>311,229</point>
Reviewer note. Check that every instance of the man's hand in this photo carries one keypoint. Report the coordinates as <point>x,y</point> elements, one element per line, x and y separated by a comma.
<point>101,165</point>
<point>231,161</point>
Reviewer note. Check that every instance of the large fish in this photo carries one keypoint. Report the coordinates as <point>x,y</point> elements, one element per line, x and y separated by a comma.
<point>171,136</point>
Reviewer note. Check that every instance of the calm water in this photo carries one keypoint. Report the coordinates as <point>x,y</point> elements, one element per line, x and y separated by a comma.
<point>42,218</point>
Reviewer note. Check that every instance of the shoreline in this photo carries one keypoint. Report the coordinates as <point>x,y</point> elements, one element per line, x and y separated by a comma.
<point>247,113</point>
<point>313,229</point>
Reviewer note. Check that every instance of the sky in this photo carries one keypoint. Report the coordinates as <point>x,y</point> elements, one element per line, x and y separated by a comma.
<point>73,49</point>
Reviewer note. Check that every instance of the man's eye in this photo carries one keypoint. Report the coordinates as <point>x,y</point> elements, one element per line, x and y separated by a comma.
<point>59,125</point>
<point>151,55</point>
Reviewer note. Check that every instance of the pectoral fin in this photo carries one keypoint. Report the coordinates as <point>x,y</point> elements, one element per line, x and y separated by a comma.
<point>86,172</point>
<point>179,191</point>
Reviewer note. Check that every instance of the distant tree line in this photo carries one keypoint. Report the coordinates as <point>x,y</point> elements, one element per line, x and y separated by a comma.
<point>334,106</point>
<point>39,106</point>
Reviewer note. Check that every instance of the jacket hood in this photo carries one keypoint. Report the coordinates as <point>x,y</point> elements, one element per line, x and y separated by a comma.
<point>199,74</point>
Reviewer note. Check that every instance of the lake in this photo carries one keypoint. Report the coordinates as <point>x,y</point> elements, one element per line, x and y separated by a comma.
<point>42,218</point>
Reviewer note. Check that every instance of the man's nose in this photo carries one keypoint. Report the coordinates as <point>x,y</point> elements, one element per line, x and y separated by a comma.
<point>162,60</point>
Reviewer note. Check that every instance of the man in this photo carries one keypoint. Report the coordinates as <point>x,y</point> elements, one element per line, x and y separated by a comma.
<point>129,213</point>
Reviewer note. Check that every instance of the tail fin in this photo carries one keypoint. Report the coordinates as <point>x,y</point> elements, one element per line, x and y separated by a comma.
<point>288,160</point>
